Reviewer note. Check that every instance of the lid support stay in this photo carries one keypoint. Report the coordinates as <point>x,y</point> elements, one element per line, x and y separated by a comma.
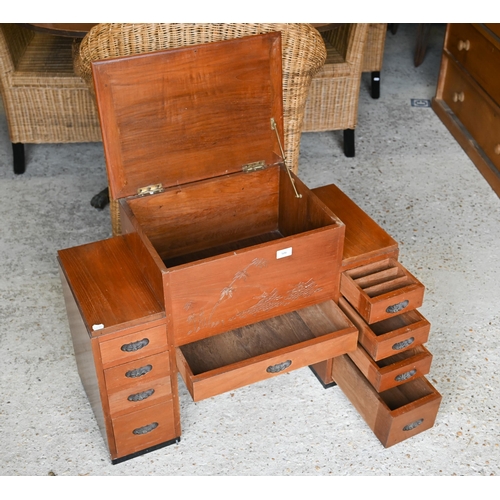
<point>275,128</point>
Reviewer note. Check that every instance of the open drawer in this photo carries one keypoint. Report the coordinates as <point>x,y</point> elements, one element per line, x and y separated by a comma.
<point>389,336</point>
<point>394,370</point>
<point>395,414</point>
<point>381,290</point>
<point>262,350</point>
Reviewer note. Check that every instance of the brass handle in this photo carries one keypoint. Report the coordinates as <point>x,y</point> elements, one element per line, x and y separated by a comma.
<point>135,346</point>
<point>144,430</point>
<point>403,344</point>
<point>411,426</point>
<point>279,367</point>
<point>395,308</point>
<point>139,372</point>
<point>458,96</point>
<point>141,396</point>
<point>405,376</point>
<point>497,149</point>
<point>463,45</point>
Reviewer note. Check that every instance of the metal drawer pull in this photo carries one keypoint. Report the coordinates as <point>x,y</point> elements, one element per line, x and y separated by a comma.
<point>463,45</point>
<point>405,376</point>
<point>404,343</point>
<point>144,430</point>
<point>135,346</point>
<point>397,307</point>
<point>411,426</point>
<point>141,396</point>
<point>497,149</point>
<point>139,372</point>
<point>458,96</point>
<point>279,367</point>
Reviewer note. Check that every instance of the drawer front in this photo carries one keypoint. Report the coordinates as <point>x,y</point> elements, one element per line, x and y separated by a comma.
<point>395,414</point>
<point>475,111</point>
<point>141,395</point>
<point>477,55</point>
<point>136,373</point>
<point>381,290</point>
<point>390,336</point>
<point>142,429</point>
<point>395,370</point>
<point>133,346</point>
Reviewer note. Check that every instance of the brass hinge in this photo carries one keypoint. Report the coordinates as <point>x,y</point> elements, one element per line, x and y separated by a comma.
<point>253,167</point>
<point>152,189</point>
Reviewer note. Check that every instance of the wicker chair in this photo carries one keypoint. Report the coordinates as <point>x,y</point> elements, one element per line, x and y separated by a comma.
<point>374,56</point>
<point>332,103</point>
<point>44,100</point>
<point>303,54</point>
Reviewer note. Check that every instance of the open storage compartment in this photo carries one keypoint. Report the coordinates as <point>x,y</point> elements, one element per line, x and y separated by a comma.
<point>262,350</point>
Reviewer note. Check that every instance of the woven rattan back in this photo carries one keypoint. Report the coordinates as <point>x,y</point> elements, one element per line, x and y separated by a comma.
<point>302,47</point>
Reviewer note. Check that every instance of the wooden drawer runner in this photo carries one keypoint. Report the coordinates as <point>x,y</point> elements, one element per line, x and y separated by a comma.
<point>135,373</point>
<point>142,429</point>
<point>256,352</point>
<point>475,110</point>
<point>390,336</point>
<point>381,290</point>
<point>133,346</point>
<point>477,55</point>
<point>393,415</point>
<point>395,370</point>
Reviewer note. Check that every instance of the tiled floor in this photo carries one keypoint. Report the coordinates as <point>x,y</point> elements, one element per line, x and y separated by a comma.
<point>408,174</point>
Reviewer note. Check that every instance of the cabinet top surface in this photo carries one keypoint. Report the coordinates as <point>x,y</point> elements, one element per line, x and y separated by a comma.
<point>181,115</point>
<point>108,286</point>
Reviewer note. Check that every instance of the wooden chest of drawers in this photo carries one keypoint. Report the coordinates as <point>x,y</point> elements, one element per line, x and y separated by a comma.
<point>468,94</point>
<point>229,270</point>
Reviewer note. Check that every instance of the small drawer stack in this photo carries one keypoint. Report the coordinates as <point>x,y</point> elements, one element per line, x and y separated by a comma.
<point>118,329</point>
<point>384,376</point>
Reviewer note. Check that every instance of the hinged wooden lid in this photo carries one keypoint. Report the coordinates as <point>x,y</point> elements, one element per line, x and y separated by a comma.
<point>181,115</point>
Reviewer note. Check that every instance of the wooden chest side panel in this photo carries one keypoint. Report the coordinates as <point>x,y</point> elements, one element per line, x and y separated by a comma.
<point>238,289</point>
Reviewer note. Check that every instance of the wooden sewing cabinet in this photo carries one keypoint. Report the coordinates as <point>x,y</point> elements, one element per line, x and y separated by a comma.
<point>229,269</point>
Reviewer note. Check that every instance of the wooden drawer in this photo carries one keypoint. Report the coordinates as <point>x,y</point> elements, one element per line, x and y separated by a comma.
<point>135,373</point>
<point>477,55</point>
<point>475,110</point>
<point>141,395</point>
<point>394,370</point>
<point>381,290</point>
<point>395,414</point>
<point>133,346</point>
<point>390,336</point>
<point>265,349</point>
<point>137,431</point>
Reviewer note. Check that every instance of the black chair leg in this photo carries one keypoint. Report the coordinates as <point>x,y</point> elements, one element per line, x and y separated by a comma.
<point>19,161</point>
<point>375,86</point>
<point>349,142</point>
<point>101,199</point>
